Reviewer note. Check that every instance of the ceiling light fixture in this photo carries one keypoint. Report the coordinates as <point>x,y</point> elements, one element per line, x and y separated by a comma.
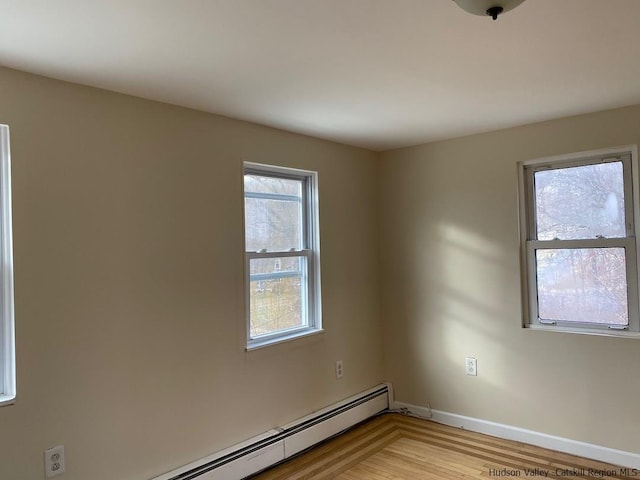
<point>492,8</point>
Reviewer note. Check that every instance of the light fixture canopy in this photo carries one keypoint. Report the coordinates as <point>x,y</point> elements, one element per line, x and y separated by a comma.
<point>491,8</point>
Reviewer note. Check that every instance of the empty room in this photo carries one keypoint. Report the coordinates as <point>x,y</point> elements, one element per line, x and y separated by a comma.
<point>316,239</point>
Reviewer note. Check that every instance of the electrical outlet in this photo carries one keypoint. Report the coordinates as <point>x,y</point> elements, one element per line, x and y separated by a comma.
<point>471,366</point>
<point>54,461</point>
<point>339,369</point>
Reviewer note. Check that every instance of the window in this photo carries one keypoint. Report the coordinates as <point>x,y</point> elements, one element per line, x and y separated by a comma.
<point>282,259</point>
<point>578,242</point>
<point>7,348</point>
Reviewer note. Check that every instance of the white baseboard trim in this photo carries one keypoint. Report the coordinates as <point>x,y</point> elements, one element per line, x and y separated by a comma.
<point>509,432</point>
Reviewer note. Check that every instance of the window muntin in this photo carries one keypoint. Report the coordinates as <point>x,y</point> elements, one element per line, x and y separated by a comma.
<point>578,242</point>
<point>7,342</point>
<point>282,254</point>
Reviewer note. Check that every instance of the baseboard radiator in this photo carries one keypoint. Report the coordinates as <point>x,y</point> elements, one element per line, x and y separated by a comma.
<point>276,445</point>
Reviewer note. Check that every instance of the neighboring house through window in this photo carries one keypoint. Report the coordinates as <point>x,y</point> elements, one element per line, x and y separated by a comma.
<point>282,254</point>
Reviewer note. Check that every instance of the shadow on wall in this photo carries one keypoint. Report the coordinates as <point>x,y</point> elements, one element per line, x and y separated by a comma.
<point>466,305</point>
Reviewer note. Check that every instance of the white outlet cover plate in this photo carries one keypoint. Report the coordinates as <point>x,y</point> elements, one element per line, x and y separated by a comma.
<point>54,461</point>
<point>471,366</point>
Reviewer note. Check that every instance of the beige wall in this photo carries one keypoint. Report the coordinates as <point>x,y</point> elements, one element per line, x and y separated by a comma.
<point>129,289</point>
<point>452,289</point>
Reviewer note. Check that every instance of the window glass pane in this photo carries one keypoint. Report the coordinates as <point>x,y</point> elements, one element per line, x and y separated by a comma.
<point>580,202</point>
<point>273,213</point>
<point>277,294</point>
<point>582,285</point>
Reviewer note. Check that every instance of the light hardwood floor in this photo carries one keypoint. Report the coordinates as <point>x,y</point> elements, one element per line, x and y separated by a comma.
<point>397,447</point>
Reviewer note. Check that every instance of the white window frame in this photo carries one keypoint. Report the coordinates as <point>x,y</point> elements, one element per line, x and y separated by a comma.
<point>628,155</point>
<point>7,332</point>
<point>310,251</point>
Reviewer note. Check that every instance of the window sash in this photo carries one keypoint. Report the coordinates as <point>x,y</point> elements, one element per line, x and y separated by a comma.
<point>307,195</point>
<point>531,170</point>
<point>629,246</point>
<point>307,289</point>
<point>530,244</point>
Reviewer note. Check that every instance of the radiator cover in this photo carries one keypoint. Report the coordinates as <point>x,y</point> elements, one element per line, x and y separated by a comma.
<point>274,446</point>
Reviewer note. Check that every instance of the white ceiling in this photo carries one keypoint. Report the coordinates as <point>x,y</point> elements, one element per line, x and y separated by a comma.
<point>374,73</point>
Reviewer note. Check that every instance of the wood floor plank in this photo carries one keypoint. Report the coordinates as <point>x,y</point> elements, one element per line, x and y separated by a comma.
<point>517,449</point>
<point>400,447</point>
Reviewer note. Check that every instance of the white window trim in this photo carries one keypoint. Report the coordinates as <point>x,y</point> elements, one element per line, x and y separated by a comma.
<point>312,254</point>
<point>7,332</point>
<point>631,243</point>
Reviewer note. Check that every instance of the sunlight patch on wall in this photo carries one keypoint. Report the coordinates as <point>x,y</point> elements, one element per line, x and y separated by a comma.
<point>470,295</point>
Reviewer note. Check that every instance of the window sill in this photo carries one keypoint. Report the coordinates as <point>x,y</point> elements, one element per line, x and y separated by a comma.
<point>585,331</point>
<point>6,400</point>
<point>257,344</point>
